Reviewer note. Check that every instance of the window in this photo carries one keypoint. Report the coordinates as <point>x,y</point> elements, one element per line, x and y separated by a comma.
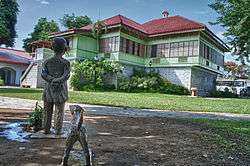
<point>190,48</point>
<point>181,49</point>
<point>166,50</point>
<point>124,45</point>
<point>142,50</point>
<point>109,44</point>
<point>211,54</point>
<point>163,50</point>
<point>160,48</point>
<point>153,50</point>
<point>149,47</point>
<point>195,48</point>
<point>127,45</point>
<point>208,53</point>
<point>174,49</point>
<point>131,47</point>
<point>185,48</point>
<point>136,49</point>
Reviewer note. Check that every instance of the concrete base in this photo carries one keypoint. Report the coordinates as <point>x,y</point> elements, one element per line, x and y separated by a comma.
<point>41,135</point>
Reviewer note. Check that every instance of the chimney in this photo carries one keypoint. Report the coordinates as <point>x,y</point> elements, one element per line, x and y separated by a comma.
<point>165,14</point>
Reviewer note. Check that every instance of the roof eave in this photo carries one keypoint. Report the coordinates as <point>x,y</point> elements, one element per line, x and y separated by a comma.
<point>14,62</point>
<point>68,32</point>
<point>216,38</point>
<point>175,32</point>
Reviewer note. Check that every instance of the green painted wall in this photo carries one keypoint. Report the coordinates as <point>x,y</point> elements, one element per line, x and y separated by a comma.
<point>112,34</point>
<point>124,35</point>
<point>86,47</point>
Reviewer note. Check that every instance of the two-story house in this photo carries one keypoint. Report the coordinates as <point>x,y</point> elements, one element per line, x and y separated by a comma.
<point>183,51</point>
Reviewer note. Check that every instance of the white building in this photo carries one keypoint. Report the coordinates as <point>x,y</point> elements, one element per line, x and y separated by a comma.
<point>13,64</point>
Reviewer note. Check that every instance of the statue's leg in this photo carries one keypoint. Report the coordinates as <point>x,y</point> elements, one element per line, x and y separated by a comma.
<point>84,144</point>
<point>47,117</point>
<point>58,117</point>
<point>69,145</point>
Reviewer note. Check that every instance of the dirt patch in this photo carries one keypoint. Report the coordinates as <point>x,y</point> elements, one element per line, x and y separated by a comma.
<point>123,141</point>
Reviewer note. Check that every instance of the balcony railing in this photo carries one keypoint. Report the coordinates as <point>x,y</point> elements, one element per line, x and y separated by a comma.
<point>124,58</point>
<point>161,61</point>
<point>177,61</point>
<point>209,64</point>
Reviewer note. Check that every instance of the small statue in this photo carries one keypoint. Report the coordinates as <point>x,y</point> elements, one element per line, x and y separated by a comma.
<point>56,72</point>
<point>77,133</point>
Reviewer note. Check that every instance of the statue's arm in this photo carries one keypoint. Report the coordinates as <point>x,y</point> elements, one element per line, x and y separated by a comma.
<point>45,75</point>
<point>65,75</point>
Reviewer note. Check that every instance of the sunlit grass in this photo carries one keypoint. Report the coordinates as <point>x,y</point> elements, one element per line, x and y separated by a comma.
<point>143,100</point>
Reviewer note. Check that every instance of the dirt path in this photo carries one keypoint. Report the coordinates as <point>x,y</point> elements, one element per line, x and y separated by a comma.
<point>123,141</point>
<point>16,103</point>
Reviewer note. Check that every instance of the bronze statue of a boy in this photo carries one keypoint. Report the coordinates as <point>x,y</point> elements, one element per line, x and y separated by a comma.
<point>55,72</point>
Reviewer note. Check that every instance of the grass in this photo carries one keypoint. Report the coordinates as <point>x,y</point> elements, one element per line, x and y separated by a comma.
<point>236,127</point>
<point>143,100</point>
<point>232,136</point>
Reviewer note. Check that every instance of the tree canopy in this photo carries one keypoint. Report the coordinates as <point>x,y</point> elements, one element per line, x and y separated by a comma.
<point>234,15</point>
<point>235,70</point>
<point>41,32</point>
<point>8,20</point>
<point>72,21</point>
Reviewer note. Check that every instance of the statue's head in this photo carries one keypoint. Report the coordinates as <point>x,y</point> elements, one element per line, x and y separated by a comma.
<point>59,45</point>
<point>77,114</point>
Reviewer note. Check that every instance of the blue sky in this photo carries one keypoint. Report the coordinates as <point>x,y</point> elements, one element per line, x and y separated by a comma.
<point>138,10</point>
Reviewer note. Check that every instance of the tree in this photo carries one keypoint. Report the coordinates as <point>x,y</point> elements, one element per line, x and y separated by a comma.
<point>72,21</point>
<point>236,70</point>
<point>41,32</point>
<point>97,30</point>
<point>235,17</point>
<point>8,20</point>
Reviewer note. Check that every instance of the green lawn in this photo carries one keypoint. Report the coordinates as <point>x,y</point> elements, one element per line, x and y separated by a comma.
<point>144,100</point>
<point>233,136</point>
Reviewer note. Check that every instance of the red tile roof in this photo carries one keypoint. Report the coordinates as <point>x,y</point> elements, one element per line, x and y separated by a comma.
<point>119,19</point>
<point>171,24</point>
<point>17,52</point>
<point>13,56</point>
<point>156,26</point>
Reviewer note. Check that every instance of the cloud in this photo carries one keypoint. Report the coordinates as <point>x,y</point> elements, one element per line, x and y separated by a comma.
<point>44,2</point>
<point>220,35</point>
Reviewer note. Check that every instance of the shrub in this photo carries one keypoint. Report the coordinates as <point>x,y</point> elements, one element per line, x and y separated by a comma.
<point>90,74</point>
<point>150,82</point>
<point>1,82</point>
<point>223,94</point>
<point>170,88</point>
<point>36,117</point>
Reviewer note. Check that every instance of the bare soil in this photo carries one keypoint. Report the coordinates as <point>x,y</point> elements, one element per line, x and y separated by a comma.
<point>123,141</point>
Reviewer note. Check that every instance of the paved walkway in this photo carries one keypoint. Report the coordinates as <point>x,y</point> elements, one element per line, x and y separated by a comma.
<point>16,103</point>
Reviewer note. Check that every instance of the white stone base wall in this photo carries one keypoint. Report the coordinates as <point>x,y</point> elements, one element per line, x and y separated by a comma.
<point>33,78</point>
<point>203,80</point>
<point>188,77</point>
<point>176,75</point>
<point>128,70</point>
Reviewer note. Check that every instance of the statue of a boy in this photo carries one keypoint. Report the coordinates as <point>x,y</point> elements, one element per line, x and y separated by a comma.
<point>56,72</point>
